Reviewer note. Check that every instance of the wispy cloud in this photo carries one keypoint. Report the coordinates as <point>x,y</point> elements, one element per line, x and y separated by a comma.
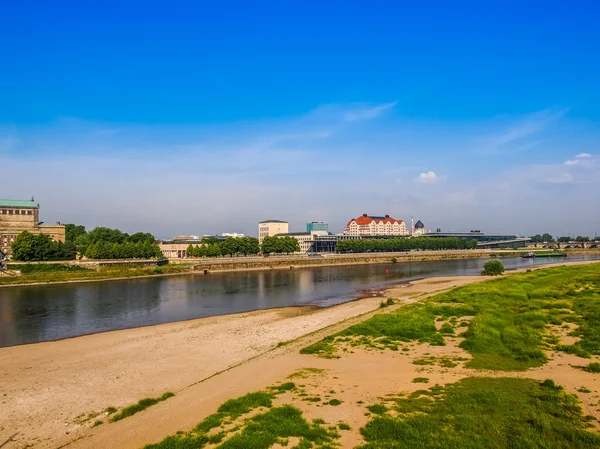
<point>205,179</point>
<point>513,137</point>
<point>368,112</point>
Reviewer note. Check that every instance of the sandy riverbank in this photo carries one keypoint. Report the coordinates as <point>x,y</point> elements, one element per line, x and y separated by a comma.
<point>45,388</point>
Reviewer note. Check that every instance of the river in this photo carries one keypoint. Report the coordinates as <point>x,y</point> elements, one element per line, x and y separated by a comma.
<point>32,314</point>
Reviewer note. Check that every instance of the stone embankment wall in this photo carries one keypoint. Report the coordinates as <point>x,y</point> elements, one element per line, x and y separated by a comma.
<point>256,263</point>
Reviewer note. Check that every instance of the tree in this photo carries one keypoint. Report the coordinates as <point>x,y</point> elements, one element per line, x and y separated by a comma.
<point>582,239</point>
<point>72,232</point>
<point>537,239</point>
<point>564,239</point>
<point>493,267</point>
<point>547,238</point>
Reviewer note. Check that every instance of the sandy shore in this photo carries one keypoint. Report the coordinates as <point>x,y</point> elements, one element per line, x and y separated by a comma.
<point>50,393</point>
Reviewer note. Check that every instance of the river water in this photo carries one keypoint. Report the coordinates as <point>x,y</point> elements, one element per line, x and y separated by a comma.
<point>32,314</point>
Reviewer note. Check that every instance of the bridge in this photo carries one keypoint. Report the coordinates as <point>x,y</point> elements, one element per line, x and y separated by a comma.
<point>565,245</point>
<point>521,242</point>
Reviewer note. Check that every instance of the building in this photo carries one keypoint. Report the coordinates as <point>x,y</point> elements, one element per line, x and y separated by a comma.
<point>317,226</point>
<point>271,228</point>
<point>485,240</point>
<point>418,229</point>
<point>176,249</point>
<point>19,216</point>
<point>371,226</point>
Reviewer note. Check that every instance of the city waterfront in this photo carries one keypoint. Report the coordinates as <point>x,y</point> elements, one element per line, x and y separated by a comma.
<point>31,314</point>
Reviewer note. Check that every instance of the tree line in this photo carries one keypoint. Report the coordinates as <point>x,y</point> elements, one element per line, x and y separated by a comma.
<point>99,243</point>
<point>231,246</point>
<point>547,238</point>
<point>237,246</point>
<point>404,244</point>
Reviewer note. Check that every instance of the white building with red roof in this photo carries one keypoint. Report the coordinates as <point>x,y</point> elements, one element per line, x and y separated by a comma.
<point>371,226</point>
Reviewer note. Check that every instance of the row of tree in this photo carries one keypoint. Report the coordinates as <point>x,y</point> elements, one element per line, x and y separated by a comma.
<point>547,238</point>
<point>107,243</point>
<point>125,250</point>
<point>404,244</point>
<point>243,246</point>
<point>229,247</point>
<point>29,247</point>
<point>100,243</point>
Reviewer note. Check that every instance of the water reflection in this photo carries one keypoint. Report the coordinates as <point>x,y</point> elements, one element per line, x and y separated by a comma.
<point>40,313</point>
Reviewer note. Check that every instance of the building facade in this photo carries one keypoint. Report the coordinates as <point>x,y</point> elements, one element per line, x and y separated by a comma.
<point>270,228</point>
<point>317,226</point>
<point>19,216</point>
<point>371,226</point>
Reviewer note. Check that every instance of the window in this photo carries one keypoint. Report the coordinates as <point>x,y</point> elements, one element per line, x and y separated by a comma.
<point>10,211</point>
<point>29,212</point>
<point>3,211</point>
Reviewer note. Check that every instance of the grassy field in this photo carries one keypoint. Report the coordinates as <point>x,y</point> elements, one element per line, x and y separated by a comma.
<point>62,275</point>
<point>511,318</point>
<point>482,413</point>
<point>229,430</point>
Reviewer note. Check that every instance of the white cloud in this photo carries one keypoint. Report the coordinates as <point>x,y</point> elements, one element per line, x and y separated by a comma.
<point>571,162</point>
<point>429,177</point>
<point>583,155</point>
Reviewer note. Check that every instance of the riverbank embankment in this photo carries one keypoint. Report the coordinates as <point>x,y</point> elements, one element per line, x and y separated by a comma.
<point>108,271</point>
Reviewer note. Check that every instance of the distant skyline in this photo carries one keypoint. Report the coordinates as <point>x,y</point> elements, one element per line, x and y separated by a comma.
<point>199,118</point>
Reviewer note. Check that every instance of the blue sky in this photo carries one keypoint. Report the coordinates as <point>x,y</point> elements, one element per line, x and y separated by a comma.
<point>202,117</point>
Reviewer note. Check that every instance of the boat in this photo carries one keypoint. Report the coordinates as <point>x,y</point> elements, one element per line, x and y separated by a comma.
<point>556,254</point>
<point>532,255</point>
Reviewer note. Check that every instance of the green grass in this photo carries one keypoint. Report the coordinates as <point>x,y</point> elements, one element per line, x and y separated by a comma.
<point>29,268</point>
<point>262,431</point>
<point>344,426</point>
<point>593,367</point>
<point>377,409</point>
<point>334,402</point>
<point>109,272</point>
<point>484,413</point>
<point>279,423</point>
<point>420,380</point>
<point>511,318</point>
<point>143,404</point>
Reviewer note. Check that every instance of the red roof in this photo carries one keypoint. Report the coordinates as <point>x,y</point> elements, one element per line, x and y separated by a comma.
<point>362,220</point>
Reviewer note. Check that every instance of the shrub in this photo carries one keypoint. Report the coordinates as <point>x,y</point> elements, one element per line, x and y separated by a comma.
<point>394,259</point>
<point>593,367</point>
<point>493,268</point>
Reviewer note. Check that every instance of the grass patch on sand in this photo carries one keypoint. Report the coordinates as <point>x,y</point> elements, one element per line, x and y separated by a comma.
<point>511,318</point>
<point>593,368</point>
<point>143,404</point>
<point>270,426</point>
<point>420,380</point>
<point>486,413</point>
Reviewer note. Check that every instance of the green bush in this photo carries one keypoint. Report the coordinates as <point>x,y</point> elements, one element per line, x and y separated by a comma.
<point>493,267</point>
